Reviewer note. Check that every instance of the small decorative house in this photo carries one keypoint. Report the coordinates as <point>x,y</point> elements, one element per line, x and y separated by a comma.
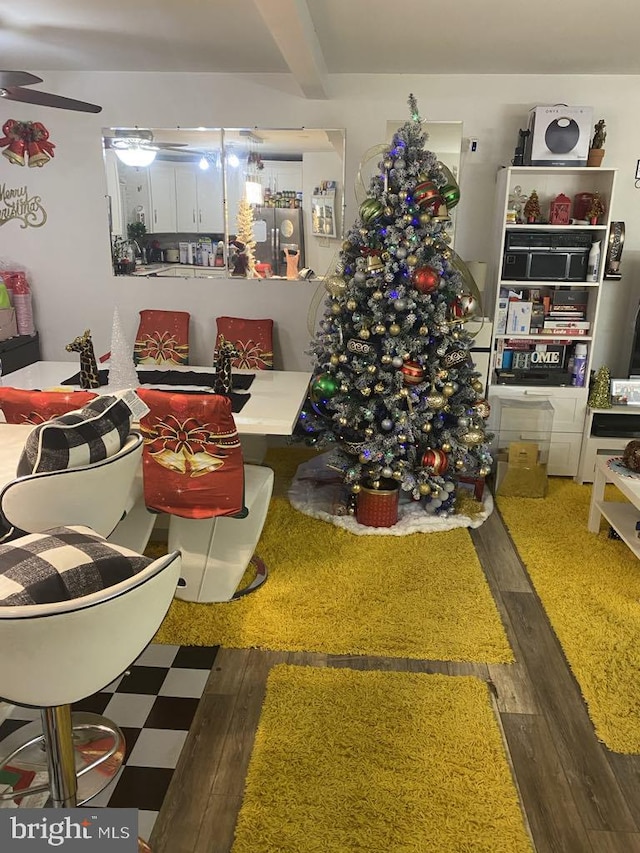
<point>560,210</point>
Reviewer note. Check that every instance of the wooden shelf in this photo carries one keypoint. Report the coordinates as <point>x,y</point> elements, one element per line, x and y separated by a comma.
<point>622,517</point>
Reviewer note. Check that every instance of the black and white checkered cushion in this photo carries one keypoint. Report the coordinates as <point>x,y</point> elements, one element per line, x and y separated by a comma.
<point>61,564</point>
<point>81,437</point>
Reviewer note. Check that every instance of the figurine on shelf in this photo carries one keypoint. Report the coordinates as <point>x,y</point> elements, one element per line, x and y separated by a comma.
<point>596,209</point>
<point>559,210</point>
<point>532,208</point>
<point>517,200</point>
<point>599,135</point>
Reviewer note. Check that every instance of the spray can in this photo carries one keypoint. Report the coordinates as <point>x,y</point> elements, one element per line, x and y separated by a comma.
<point>579,372</point>
<point>593,262</point>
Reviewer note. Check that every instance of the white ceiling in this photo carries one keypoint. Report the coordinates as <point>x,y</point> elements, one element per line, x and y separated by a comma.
<point>311,39</point>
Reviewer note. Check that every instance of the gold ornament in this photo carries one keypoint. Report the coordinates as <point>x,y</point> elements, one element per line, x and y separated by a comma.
<point>377,295</point>
<point>435,400</point>
<point>412,260</point>
<point>362,458</point>
<point>484,471</point>
<point>371,368</point>
<point>386,359</point>
<point>343,421</point>
<point>344,387</point>
<point>375,484</point>
<point>352,304</point>
<point>343,358</point>
<point>335,308</point>
<point>407,218</point>
<point>459,464</point>
<point>477,385</point>
<point>446,447</point>
<point>364,334</point>
<point>379,388</point>
<point>402,195</point>
<point>346,246</point>
<point>448,389</point>
<point>365,392</point>
<point>423,330</point>
<point>379,329</point>
<point>397,475</point>
<point>356,488</point>
<point>424,489</point>
<point>368,432</point>
<point>394,329</point>
<point>426,427</point>
<point>473,437</point>
<point>424,219</point>
<point>334,360</point>
<point>335,285</point>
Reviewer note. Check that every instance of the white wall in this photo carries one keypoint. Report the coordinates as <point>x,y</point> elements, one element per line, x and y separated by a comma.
<point>69,258</point>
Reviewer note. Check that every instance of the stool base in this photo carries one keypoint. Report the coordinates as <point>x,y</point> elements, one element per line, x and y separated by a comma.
<point>96,741</point>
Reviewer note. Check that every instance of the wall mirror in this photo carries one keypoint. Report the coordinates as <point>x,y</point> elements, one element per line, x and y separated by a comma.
<point>175,199</point>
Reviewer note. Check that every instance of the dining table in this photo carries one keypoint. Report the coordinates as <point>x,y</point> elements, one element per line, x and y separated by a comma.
<point>273,403</point>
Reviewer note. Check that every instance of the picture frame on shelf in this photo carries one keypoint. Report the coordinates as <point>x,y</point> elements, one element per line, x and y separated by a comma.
<point>625,392</point>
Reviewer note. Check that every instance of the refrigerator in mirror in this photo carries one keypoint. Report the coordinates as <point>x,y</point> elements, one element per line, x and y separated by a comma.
<point>278,230</point>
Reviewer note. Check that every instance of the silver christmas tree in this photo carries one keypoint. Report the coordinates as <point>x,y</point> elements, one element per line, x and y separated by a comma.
<point>122,370</point>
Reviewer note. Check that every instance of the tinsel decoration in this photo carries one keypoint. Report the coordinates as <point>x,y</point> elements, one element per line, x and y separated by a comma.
<point>247,238</point>
<point>600,393</point>
<point>122,370</point>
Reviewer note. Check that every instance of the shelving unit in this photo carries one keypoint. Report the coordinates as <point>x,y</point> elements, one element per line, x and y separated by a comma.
<point>539,378</point>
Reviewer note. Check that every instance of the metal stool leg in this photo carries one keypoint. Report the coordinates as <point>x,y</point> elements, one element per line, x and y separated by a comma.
<point>58,744</point>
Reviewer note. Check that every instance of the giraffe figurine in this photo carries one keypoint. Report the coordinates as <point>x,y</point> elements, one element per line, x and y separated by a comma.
<point>225,351</point>
<point>88,368</point>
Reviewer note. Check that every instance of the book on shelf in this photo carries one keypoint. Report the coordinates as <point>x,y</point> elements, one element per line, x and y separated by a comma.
<point>555,330</point>
<point>566,324</point>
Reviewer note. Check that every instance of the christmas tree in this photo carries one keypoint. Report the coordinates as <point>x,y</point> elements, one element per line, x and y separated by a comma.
<point>394,391</point>
<point>532,207</point>
<point>600,394</point>
<point>246,237</point>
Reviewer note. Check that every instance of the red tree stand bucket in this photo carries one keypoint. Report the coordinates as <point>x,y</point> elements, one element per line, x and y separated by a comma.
<point>378,507</point>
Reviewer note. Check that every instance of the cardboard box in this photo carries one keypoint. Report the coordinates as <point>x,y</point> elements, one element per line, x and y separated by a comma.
<point>519,317</point>
<point>560,136</point>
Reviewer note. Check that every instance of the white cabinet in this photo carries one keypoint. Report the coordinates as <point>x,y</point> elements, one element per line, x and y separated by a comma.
<point>115,195</point>
<point>186,198</point>
<point>282,175</point>
<point>210,201</point>
<point>162,184</point>
<point>540,289</point>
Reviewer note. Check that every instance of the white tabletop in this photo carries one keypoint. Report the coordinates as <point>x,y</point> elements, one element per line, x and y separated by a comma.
<point>12,439</point>
<point>275,396</point>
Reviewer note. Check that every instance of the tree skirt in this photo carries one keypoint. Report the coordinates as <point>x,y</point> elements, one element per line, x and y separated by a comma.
<point>317,490</point>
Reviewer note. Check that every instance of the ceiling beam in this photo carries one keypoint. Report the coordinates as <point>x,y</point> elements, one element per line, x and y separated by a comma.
<point>291,27</point>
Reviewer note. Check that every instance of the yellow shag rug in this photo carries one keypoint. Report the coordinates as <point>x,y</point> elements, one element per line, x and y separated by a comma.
<point>589,586</point>
<point>378,762</point>
<point>418,596</point>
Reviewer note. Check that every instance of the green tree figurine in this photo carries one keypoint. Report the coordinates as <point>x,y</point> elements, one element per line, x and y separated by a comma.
<point>532,208</point>
<point>600,394</point>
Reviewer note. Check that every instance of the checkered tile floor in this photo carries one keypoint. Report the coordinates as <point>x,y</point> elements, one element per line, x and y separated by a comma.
<point>154,703</point>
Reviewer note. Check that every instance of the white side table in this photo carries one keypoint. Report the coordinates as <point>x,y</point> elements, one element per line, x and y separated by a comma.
<point>594,445</point>
<point>621,516</point>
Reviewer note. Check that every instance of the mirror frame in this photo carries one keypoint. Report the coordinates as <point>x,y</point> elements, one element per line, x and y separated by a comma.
<point>228,141</point>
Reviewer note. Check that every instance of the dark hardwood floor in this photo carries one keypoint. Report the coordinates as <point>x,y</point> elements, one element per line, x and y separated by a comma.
<point>577,796</point>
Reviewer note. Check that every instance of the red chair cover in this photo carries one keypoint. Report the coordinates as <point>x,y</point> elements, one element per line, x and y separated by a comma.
<point>192,459</point>
<point>162,338</point>
<point>36,407</point>
<point>252,338</point>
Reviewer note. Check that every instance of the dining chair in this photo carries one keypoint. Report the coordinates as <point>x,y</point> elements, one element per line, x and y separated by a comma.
<point>60,648</point>
<point>162,338</point>
<point>194,470</point>
<point>20,406</point>
<point>99,495</point>
<point>253,341</point>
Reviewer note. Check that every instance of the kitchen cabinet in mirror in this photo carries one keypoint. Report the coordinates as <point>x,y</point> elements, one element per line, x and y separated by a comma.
<point>179,214</point>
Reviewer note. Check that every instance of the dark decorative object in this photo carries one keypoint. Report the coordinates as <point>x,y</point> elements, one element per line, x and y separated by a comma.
<point>614,251</point>
<point>88,368</point>
<point>599,135</point>
<point>518,155</point>
<point>631,455</point>
<point>225,351</point>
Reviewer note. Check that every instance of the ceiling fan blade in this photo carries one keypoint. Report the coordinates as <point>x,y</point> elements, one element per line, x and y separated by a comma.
<point>18,78</point>
<point>46,99</point>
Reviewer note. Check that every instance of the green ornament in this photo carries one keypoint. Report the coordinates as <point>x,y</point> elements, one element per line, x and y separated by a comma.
<point>371,210</point>
<point>323,387</point>
<point>450,195</point>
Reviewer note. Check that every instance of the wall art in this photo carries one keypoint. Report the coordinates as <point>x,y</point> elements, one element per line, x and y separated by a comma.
<point>26,142</point>
<point>16,203</point>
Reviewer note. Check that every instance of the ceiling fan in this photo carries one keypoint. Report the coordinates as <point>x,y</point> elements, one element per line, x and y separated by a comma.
<point>11,88</point>
<point>137,146</point>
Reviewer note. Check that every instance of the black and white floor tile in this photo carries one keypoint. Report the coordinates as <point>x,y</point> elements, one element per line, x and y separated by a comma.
<point>154,704</point>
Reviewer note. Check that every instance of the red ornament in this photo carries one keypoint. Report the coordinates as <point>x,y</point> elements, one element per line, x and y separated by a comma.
<point>426,194</point>
<point>425,279</point>
<point>436,461</point>
<point>412,373</point>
